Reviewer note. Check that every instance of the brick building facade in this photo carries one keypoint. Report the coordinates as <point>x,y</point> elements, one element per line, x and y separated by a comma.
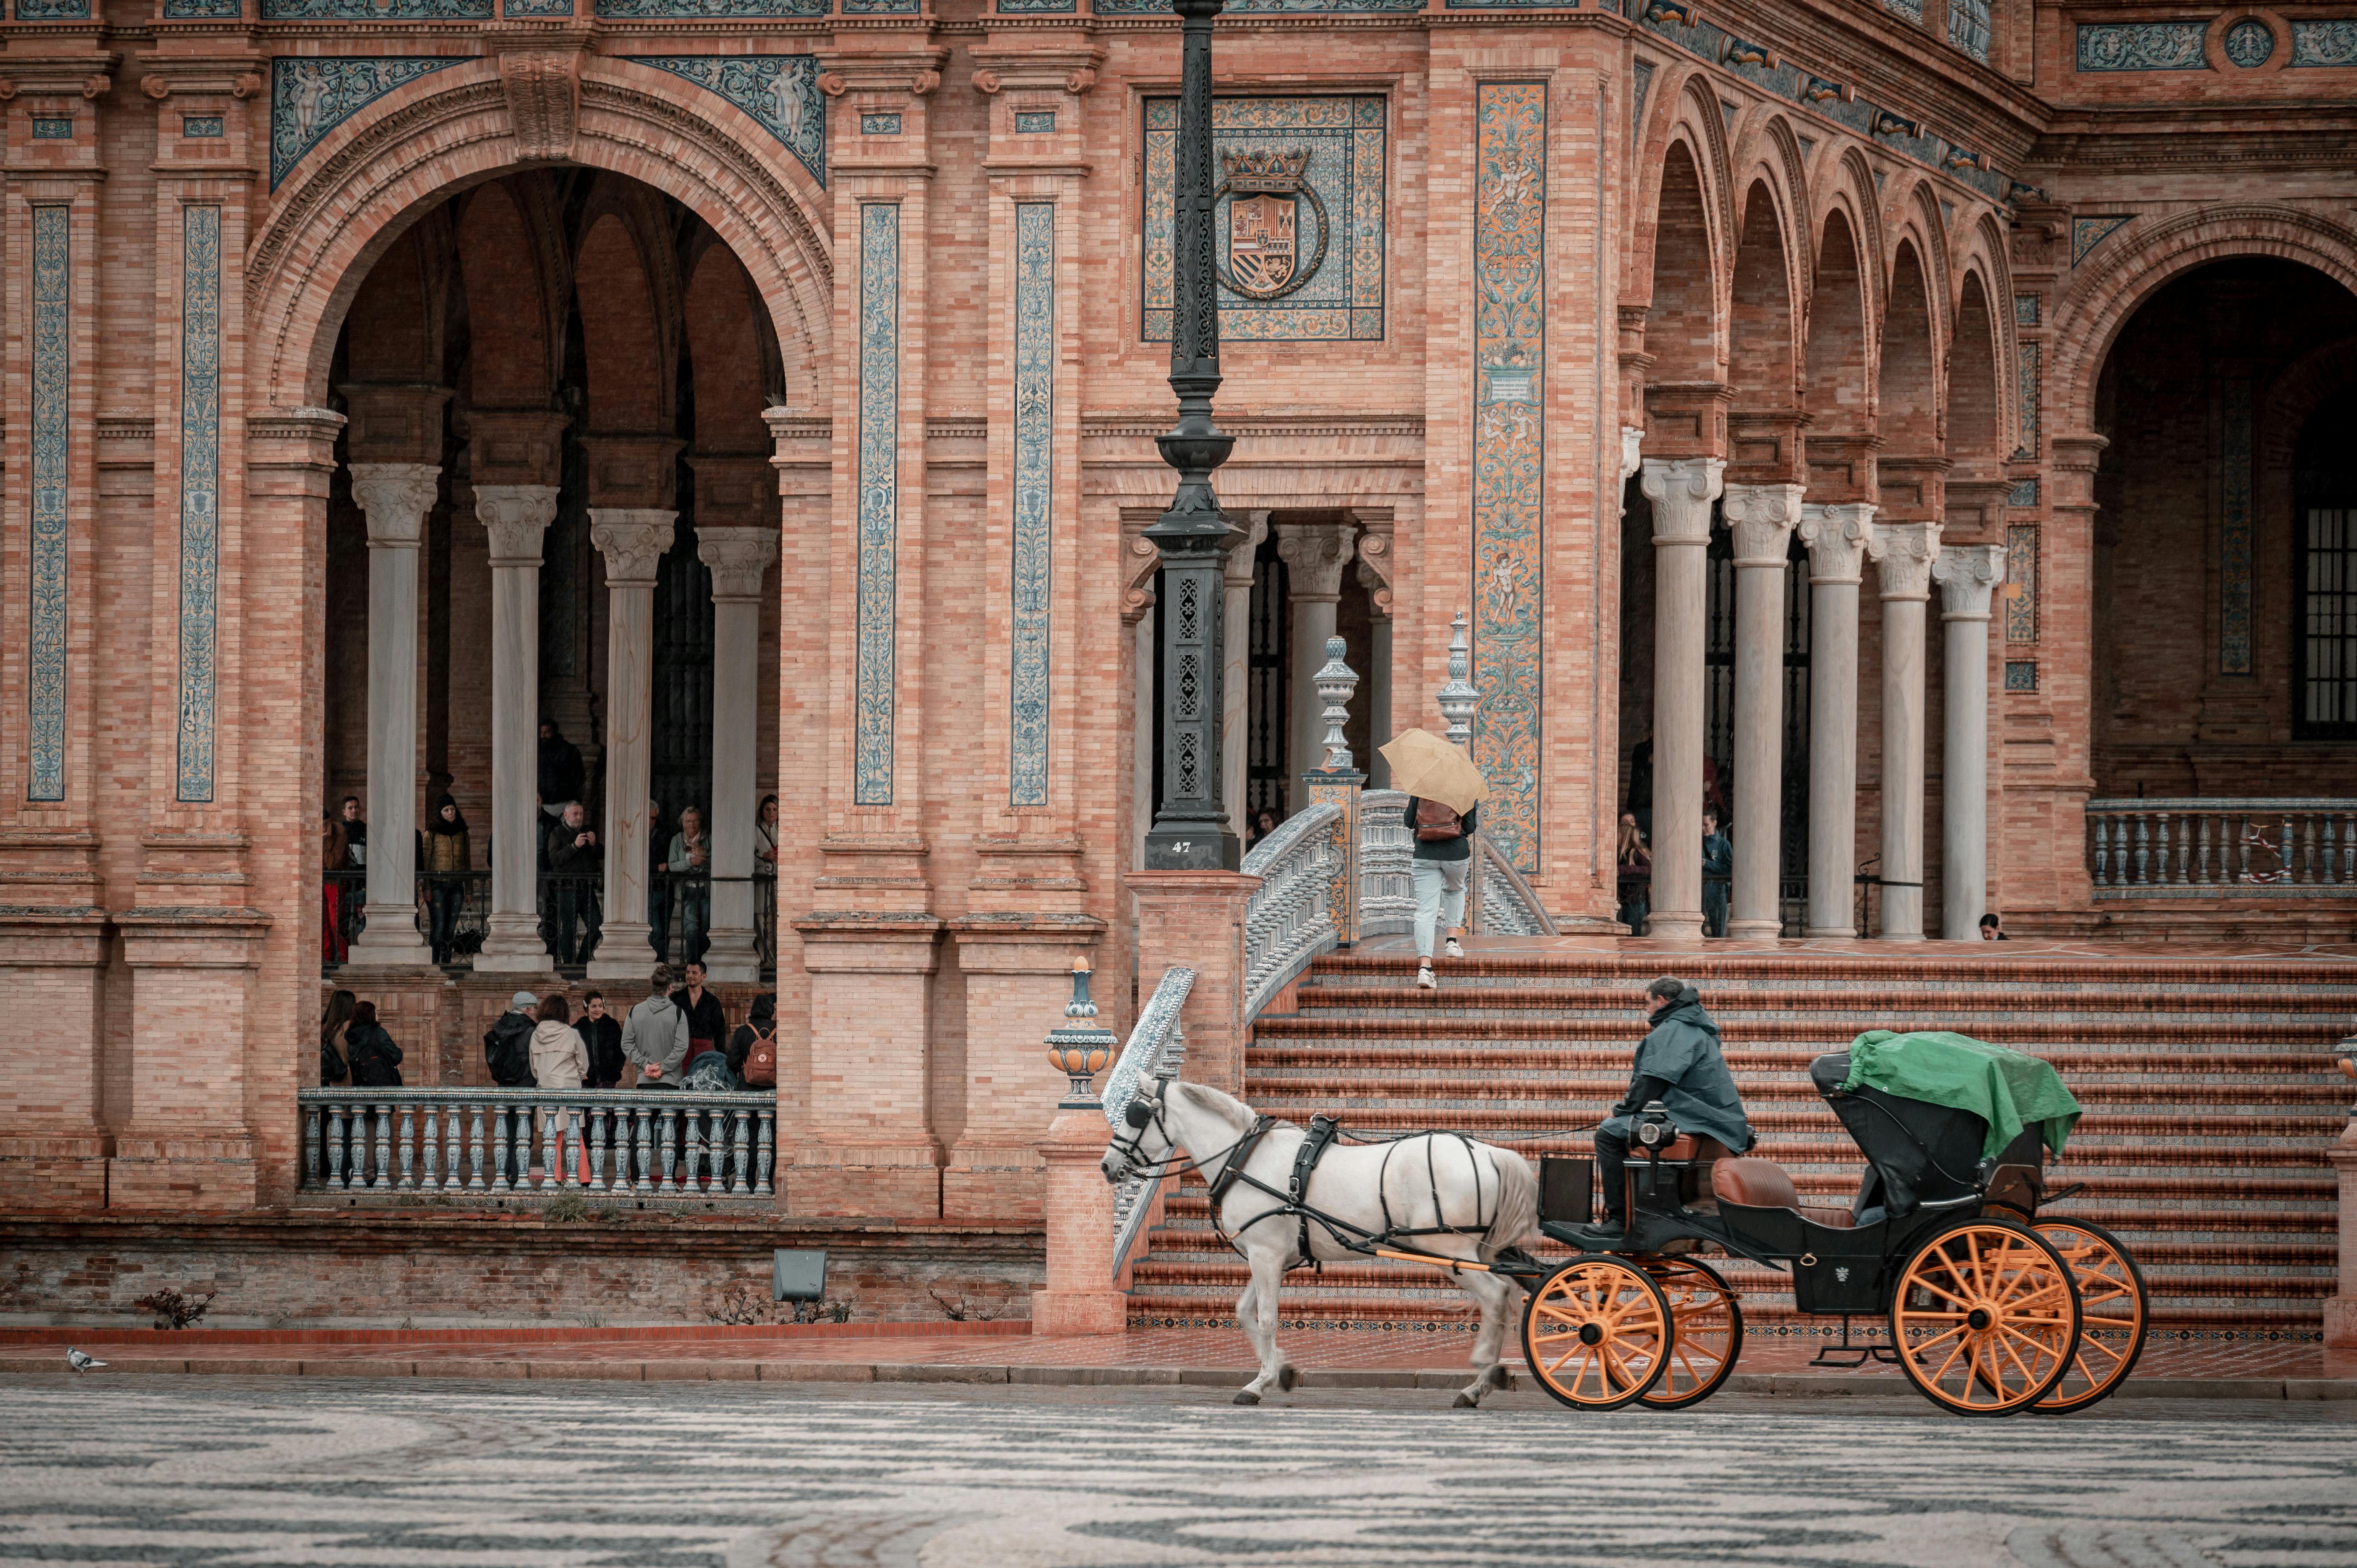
<point>531,305</point>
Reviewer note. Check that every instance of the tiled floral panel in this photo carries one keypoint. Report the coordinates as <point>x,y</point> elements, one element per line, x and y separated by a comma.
<point>2086,233</point>
<point>52,10</point>
<point>2237,529</point>
<point>203,127</point>
<point>310,96</point>
<point>1509,443</point>
<point>2020,588</point>
<point>2324,43</point>
<point>375,10</point>
<point>879,125</point>
<point>2024,310</point>
<point>1035,430</point>
<point>204,10</point>
<point>2142,46</point>
<point>669,10</point>
<point>875,698</point>
<point>52,379</point>
<point>1328,230</point>
<point>535,7</point>
<point>778,90</point>
<point>200,266</point>
<point>2022,675</point>
<point>2027,357</point>
<point>1034,122</point>
<point>1036,8</point>
<point>1265,7</point>
<point>56,130</point>
<point>2023,494</point>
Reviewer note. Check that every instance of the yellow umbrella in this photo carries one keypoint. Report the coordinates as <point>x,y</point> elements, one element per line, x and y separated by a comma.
<point>1424,765</point>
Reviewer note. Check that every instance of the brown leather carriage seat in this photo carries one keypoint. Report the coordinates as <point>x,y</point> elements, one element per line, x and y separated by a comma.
<point>1756,1183</point>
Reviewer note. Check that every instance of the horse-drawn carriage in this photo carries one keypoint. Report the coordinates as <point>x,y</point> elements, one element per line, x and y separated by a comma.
<point>1990,1308</point>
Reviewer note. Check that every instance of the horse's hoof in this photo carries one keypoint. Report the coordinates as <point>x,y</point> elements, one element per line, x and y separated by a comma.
<point>1245,1396</point>
<point>1465,1401</point>
<point>1285,1378</point>
<point>1499,1378</point>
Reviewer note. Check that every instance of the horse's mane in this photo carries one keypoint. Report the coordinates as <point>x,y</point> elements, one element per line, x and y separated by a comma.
<point>1218,1101</point>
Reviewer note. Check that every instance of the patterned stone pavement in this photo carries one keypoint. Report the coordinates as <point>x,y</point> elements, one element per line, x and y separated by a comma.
<point>221,1471</point>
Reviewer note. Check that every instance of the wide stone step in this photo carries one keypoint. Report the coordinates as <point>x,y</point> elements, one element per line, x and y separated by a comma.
<point>1837,1011</point>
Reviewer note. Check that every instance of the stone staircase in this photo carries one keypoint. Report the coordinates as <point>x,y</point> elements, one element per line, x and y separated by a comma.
<point>2208,1084</point>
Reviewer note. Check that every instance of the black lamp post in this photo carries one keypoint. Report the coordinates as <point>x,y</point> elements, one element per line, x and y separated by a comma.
<point>1191,828</point>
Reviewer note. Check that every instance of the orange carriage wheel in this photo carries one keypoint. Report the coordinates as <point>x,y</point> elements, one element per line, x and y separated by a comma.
<point>1594,1333</point>
<point>1984,1317</point>
<point>2111,1313</point>
<point>1706,1333</point>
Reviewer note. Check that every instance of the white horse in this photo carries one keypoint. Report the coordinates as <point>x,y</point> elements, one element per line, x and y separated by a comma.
<point>1489,1194</point>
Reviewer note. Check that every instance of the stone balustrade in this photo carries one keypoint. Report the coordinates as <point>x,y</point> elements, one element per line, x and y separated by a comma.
<point>2223,848</point>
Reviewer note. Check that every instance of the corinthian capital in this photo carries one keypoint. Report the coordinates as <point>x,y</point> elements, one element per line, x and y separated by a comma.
<point>1836,534</point>
<point>515,516</point>
<point>1681,489</point>
<point>1314,555</point>
<point>1762,517</point>
<point>1966,573</point>
<point>739,558</point>
<point>396,497</point>
<point>632,539</point>
<point>1903,553</point>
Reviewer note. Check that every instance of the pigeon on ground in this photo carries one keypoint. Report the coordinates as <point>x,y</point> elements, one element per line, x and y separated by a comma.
<point>81,1360</point>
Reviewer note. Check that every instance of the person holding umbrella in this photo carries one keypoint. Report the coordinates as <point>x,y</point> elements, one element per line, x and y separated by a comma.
<point>1445,792</point>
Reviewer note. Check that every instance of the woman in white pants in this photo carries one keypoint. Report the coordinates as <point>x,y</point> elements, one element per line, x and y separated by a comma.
<point>1442,862</point>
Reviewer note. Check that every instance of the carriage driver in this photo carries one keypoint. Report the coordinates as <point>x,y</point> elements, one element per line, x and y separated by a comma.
<point>1679,1064</point>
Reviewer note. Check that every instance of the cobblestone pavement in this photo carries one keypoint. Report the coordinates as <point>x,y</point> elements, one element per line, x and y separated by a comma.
<point>267,1471</point>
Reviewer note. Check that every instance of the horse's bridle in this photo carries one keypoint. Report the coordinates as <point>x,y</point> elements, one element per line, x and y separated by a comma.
<point>1138,1118</point>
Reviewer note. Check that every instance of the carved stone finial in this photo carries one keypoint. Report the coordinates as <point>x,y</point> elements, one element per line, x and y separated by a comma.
<point>1336,680</point>
<point>1460,697</point>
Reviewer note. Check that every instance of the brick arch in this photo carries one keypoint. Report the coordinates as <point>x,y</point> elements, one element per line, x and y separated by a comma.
<point>1683,331</point>
<point>2294,393</point>
<point>500,261</point>
<point>1762,359</point>
<point>1914,217</point>
<point>1908,412</point>
<point>393,327</point>
<point>1838,351</point>
<point>374,176</point>
<point>1687,119</point>
<point>726,355</point>
<point>630,376</point>
<point>1975,399</point>
<point>2090,313</point>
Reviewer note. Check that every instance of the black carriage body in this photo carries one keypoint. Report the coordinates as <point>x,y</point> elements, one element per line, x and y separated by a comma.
<point>1925,1171</point>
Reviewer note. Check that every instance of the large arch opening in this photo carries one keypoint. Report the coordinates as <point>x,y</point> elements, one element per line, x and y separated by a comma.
<point>2225,655</point>
<point>574,335</point>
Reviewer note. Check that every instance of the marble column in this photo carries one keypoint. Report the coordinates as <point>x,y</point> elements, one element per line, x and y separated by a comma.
<point>1903,553</point>
<point>1681,491</point>
<point>740,558</point>
<point>396,497</point>
<point>1966,575</point>
<point>1235,660</point>
<point>515,516</point>
<point>1763,518</point>
<point>632,540</point>
<point>1837,536</point>
<point>1314,555</point>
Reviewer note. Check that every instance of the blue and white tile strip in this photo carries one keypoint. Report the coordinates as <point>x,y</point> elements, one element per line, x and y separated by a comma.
<point>52,382</point>
<point>200,340</point>
<point>1035,428</point>
<point>879,499</point>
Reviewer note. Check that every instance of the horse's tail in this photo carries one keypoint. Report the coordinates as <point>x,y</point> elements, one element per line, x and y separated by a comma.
<point>1518,1202</point>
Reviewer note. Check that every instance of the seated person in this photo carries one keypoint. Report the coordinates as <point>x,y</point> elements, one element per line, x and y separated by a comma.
<point>1679,1064</point>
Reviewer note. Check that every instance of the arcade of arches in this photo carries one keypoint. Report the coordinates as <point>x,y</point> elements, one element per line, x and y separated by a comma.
<point>1842,427</point>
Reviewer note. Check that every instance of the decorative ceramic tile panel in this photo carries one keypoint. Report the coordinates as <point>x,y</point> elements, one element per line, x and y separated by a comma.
<point>202,127</point>
<point>1035,427</point>
<point>2248,43</point>
<point>2022,494</point>
<point>207,10</point>
<point>2026,391</point>
<point>375,10</point>
<point>52,10</point>
<point>879,125</point>
<point>876,700</point>
<point>2020,588</point>
<point>881,7</point>
<point>310,96</point>
<point>1268,7</point>
<point>1910,9</point>
<point>201,265</point>
<point>1509,438</point>
<point>2024,310</point>
<point>2323,43</point>
<point>2237,541</point>
<point>1637,101</point>
<point>2142,46</point>
<point>1036,8</point>
<point>676,10</point>
<point>2020,675</point>
<point>536,7</point>
<point>1968,28</point>
<point>779,91</point>
<point>52,377</point>
<point>2086,233</point>
<point>53,130</point>
<point>1514,5</point>
<point>1034,122</point>
<point>1299,226</point>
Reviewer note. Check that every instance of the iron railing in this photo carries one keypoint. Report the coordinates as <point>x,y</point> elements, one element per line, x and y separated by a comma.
<point>2223,848</point>
<point>508,1142</point>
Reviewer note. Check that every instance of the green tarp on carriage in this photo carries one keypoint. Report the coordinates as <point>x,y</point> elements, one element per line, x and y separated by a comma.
<point>2007,1090</point>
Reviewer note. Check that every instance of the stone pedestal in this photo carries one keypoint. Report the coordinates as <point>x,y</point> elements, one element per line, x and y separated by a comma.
<point>396,497</point>
<point>633,541</point>
<point>1967,575</point>
<point>868,1145</point>
<point>1080,1298</point>
<point>1017,972</point>
<point>1681,491</point>
<point>1197,919</point>
<point>740,558</point>
<point>1763,518</point>
<point>515,516</point>
<point>1837,537</point>
<point>1903,553</point>
<point>1314,555</point>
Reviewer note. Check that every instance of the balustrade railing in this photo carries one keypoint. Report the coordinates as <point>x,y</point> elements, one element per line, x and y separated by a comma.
<point>2223,848</point>
<point>1290,920</point>
<point>491,1142</point>
<point>1157,1047</point>
<point>1386,865</point>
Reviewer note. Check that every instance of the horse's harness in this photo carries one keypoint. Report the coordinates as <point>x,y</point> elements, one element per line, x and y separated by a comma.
<point>1293,1201</point>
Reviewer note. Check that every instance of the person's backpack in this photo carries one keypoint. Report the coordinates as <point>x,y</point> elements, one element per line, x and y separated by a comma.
<point>371,1068</point>
<point>762,1061</point>
<point>507,1053</point>
<point>1435,820</point>
<point>331,1066</point>
<point>709,1074</point>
